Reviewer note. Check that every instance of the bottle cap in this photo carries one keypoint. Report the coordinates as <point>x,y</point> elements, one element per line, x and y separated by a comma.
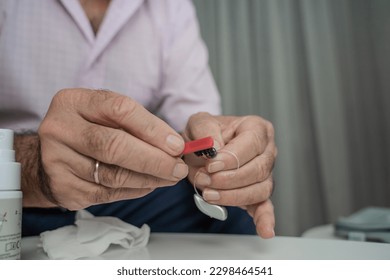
<point>10,171</point>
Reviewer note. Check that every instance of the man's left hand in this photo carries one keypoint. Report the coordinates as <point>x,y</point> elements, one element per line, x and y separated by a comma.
<point>251,139</point>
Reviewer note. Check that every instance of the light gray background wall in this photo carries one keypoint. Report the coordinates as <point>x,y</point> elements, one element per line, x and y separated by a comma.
<point>320,71</point>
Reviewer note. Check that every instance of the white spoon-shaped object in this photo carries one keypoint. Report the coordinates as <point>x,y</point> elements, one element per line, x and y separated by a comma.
<point>214,211</point>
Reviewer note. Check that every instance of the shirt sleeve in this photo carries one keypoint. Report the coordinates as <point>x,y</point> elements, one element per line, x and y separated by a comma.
<point>187,83</point>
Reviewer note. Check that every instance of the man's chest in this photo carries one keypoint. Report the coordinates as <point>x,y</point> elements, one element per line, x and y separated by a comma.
<point>95,11</point>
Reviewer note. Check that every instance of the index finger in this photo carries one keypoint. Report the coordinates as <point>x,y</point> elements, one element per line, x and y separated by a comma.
<point>202,125</point>
<point>118,111</point>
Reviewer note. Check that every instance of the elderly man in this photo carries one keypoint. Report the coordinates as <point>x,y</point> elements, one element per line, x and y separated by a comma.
<point>103,95</point>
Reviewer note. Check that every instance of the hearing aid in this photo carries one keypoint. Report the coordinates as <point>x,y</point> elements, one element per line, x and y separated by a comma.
<point>204,147</point>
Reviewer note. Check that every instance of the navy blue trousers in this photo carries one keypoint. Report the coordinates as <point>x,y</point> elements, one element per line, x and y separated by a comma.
<point>170,209</point>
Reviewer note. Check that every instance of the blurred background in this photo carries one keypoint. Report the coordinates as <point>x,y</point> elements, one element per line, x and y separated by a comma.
<point>320,71</point>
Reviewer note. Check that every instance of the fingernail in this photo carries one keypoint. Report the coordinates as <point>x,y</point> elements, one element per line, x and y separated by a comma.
<point>267,233</point>
<point>211,195</point>
<point>216,166</point>
<point>203,179</point>
<point>180,171</point>
<point>175,143</point>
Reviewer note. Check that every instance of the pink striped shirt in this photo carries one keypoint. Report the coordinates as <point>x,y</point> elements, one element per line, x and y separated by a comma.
<point>150,50</point>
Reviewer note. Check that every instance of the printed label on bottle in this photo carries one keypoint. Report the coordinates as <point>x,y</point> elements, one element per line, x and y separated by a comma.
<point>10,228</point>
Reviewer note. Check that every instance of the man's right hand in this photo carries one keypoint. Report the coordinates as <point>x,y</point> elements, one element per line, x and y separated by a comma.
<point>137,151</point>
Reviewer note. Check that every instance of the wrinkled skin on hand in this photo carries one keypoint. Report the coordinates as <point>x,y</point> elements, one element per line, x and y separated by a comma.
<point>251,139</point>
<point>137,151</point>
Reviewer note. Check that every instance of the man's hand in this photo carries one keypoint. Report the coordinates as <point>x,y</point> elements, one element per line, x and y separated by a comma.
<point>251,139</point>
<point>137,151</point>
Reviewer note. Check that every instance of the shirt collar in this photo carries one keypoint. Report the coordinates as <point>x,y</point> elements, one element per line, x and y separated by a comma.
<point>117,14</point>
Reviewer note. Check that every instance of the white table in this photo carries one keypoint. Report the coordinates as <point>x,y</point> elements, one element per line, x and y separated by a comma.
<point>222,247</point>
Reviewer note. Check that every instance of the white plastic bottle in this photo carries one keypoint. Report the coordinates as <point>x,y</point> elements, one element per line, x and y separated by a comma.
<point>10,199</point>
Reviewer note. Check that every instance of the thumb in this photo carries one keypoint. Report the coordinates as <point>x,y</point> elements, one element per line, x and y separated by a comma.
<point>203,125</point>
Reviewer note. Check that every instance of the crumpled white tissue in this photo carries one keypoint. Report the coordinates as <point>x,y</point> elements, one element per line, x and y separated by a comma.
<point>91,236</point>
